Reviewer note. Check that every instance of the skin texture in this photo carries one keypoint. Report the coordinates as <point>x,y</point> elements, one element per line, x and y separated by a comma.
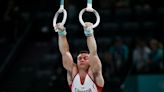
<point>87,63</point>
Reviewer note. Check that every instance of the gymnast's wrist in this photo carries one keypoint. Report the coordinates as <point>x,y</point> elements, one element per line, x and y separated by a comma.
<point>62,32</point>
<point>88,32</point>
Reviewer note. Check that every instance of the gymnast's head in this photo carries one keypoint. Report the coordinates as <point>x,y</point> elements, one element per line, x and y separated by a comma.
<point>83,60</point>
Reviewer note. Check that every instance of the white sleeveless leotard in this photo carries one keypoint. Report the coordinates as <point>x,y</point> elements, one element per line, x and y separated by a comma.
<point>87,86</point>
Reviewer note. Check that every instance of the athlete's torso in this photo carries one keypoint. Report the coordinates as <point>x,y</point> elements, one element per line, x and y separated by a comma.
<point>87,86</point>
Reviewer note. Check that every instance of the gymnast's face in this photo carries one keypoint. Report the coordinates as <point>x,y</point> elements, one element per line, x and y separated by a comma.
<point>83,61</point>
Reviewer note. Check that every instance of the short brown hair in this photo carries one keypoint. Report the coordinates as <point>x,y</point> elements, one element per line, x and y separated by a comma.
<point>84,51</point>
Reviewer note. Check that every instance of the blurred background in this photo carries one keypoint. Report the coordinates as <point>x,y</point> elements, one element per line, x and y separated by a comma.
<point>129,37</point>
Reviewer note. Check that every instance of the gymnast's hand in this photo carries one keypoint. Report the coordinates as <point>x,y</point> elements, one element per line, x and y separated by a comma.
<point>59,27</point>
<point>88,25</point>
<point>88,29</point>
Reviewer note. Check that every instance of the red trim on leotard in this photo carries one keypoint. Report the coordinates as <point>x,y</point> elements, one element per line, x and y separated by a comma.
<point>99,88</point>
<point>72,81</point>
<point>70,86</point>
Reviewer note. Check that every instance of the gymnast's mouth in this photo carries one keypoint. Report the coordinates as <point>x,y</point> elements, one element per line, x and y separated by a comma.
<point>82,63</point>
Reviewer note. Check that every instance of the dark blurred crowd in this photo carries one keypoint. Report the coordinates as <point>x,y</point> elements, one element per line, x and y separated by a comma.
<point>146,56</point>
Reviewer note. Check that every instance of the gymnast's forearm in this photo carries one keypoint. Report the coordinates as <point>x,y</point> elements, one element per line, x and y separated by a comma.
<point>62,39</point>
<point>91,42</point>
<point>92,46</point>
<point>63,45</point>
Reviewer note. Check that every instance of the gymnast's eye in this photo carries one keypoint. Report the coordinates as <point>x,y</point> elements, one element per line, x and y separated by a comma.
<point>86,58</point>
<point>79,58</point>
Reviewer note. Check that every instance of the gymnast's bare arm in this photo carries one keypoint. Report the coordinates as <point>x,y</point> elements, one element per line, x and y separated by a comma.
<point>64,50</point>
<point>95,63</point>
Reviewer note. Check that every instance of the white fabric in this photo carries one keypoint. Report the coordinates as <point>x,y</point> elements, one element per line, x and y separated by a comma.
<point>88,85</point>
